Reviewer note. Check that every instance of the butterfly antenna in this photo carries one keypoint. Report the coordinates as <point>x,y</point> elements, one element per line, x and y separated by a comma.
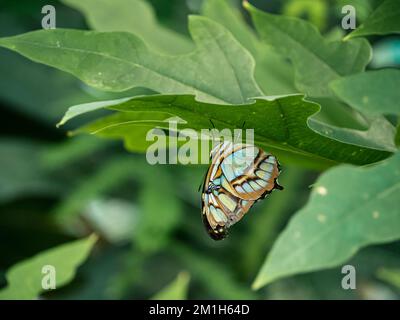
<point>212,123</point>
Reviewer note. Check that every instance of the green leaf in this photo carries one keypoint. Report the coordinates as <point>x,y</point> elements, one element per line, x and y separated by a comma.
<point>219,70</point>
<point>273,73</point>
<point>135,16</point>
<point>349,208</point>
<point>316,60</point>
<point>373,92</point>
<point>380,134</point>
<point>391,276</point>
<point>25,278</point>
<point>384,20</point>
<point>287,134</point>
<point>176,290</point>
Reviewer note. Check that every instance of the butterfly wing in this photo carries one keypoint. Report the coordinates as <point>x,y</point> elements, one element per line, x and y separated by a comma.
<point>251,172</point>
<point>238,176</point>
<point>221,209</point>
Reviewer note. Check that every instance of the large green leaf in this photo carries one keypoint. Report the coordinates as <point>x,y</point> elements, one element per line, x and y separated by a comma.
<point>25,278</point>
<point>219,70</point>
<point>374,92</point>
<point>349,208</point>
<point>280,125</point>
<point>384,20</point>
<point>363,8</point>
<point>316,60</point>
<point>273,73</point>
<point>176,290</point>
<point>135,16</point>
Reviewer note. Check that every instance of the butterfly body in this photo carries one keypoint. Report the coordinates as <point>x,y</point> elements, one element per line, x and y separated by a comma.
<point>239,175</point>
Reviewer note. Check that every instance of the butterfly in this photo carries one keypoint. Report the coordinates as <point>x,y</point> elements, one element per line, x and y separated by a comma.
<point>239,175</point>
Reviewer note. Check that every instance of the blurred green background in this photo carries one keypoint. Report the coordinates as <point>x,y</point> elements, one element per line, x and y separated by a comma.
<point>54,189</point>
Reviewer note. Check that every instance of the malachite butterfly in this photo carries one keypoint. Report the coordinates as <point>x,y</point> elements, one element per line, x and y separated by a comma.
<point>239,175</point>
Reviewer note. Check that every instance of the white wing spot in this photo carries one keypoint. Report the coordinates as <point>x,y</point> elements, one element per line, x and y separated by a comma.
<point>375,214</point>
<point>322,191</point>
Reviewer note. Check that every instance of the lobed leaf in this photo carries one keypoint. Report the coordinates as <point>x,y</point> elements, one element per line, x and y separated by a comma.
<point>272,72</point>
<point>316,60</point>
<point>281,125</point>
<point>219,70</point>
<point>373,92</point>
